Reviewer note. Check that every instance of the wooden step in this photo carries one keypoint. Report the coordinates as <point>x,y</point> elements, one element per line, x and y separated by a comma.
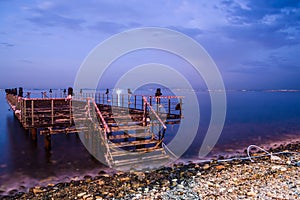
<point>64,130</point>
<point>127,135</point>
<point>138,151</point>
<point>140,160</point>
<point>128,128</point>
<point>133,143</point>
<point>122,117</point>
<point>120,123</point>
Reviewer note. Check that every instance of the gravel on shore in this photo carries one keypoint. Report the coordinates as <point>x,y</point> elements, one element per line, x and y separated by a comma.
<point>276,178</point>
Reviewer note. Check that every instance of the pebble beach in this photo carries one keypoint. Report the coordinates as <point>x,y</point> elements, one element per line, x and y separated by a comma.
<point>275,177</point>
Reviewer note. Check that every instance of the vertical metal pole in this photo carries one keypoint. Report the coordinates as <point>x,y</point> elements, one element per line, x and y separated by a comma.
<point>157,102</point>
<point>21,108</point>
<point>143,100</point>
<point>145,113</point>
<point>32,113</point>
<point>150,100</point>
<point>122,100</point>
<point>180,103</point>
<point>52,111</point>
<point>128,100</point>
<point>169,105</point>
<point>88,108</point>
<point>117,100</point>
<point>24,104</point>
<point>134,101</point>
<point>70,105</point>
<point>159,132</point>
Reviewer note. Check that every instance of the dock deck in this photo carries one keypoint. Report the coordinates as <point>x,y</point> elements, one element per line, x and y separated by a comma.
<point>122,130</point>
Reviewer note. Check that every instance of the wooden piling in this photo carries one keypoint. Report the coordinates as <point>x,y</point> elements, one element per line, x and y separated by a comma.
<point>47,141</point>
<point>34,134</point>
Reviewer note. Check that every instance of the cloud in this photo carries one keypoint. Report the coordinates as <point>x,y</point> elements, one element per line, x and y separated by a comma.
<point>46,5</point>
<point>245,36</point>
<point>112,27</point>
<point>5,44</point>
<point>271,24</point>
<point>48,19</point>
<point>52,14</point>
<point>192,32</point>
<point>26,61</point>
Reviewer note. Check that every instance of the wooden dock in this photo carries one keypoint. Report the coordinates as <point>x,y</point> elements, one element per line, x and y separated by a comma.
<point>122,129</point>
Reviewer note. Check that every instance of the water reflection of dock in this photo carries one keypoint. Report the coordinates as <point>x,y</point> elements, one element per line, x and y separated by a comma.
<point>122,129</point>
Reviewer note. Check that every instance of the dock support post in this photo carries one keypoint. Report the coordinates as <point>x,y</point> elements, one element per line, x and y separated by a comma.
<point>128,100</point>
<point>70,111</point>
<point>169,106</point>
<point>32,112</point>
<point>180,110</point>
<point>34,134</point>
<point>52,112</point>
<point>24,113</point>
<point>47,141</point>
<point>145,113</point>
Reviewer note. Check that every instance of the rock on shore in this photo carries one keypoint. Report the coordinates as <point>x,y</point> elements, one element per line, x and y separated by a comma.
<point>234,179</point>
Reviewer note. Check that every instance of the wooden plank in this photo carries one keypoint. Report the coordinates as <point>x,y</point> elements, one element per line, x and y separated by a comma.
<point>129,128</point>
<point>137,151</point>
<point>140,160</point>
<point>126,136</point>
<point>133,143</point>
<point>64,130</point>
<point>120,123</point>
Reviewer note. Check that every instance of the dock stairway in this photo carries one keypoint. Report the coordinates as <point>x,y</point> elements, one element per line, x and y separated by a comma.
<point>129,138</point>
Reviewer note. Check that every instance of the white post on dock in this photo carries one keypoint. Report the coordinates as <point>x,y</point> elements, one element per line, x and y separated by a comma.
<point>118,91</point>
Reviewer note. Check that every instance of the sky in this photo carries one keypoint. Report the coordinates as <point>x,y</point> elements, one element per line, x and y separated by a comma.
<point>255,43</point>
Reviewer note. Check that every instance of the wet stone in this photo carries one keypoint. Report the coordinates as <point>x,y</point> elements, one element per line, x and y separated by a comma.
<point>81,194</point>
<point>237,179</point>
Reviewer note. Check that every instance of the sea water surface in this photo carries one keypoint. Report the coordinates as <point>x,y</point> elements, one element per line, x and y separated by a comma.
<point>253,117</point>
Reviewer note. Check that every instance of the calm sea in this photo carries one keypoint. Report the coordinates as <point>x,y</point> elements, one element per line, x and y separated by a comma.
<point>253,117</point>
